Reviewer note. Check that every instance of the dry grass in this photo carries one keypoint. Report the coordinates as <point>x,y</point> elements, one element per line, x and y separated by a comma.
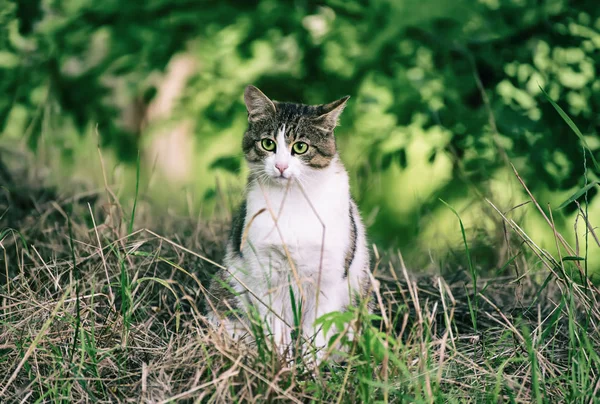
<point>89,312</point>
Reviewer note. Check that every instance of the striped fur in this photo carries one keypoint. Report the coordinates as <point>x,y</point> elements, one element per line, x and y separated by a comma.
<point>351,251</point>
<point>303,123</point>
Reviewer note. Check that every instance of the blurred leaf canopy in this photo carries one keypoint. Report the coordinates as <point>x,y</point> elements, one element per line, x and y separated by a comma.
<point>441,89</point>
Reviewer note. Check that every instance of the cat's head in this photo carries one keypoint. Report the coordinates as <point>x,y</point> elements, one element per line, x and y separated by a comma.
<point>289,141</point>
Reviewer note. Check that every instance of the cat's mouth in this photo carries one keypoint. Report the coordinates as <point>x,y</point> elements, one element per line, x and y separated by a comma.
<point>282,179</point>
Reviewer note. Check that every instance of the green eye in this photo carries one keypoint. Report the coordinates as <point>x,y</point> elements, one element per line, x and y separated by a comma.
<point>300,148</point>
<point>268,144</point>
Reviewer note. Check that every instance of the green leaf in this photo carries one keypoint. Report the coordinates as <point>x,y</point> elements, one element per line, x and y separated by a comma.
<point>8,60</point>
<point>231,164</point>
<point>577,194</point>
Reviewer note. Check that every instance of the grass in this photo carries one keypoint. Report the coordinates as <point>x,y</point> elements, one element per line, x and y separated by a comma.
<point>92,309</point>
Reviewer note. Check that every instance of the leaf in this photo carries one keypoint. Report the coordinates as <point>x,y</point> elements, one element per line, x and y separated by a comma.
<point>572,125</point>
<point>8,60</point>
<point>577,194</point>
<point>229,163</point>
<point>326,321</point>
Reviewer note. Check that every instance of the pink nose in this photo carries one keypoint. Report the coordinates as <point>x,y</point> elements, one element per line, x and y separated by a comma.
<point>281,167</point>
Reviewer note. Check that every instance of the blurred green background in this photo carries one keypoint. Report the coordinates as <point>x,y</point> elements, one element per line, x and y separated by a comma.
<point>444,94</point>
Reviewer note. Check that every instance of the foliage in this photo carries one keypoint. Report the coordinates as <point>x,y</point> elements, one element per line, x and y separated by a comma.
<point>444,93</point>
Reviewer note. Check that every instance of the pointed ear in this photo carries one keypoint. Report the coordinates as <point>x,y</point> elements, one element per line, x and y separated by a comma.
<point>259,106</point>
<point>328,120</point>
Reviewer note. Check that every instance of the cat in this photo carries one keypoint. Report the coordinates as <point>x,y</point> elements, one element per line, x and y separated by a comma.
<point>298,233</point>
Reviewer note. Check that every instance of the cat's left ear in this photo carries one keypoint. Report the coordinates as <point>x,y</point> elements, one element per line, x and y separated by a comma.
<point>331,112</point>
<point>259,106</point>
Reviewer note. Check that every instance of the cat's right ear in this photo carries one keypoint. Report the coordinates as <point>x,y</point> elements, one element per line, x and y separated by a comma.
<point>259,106</point>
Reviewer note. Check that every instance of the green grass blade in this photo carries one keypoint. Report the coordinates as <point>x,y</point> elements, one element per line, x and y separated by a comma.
<point>76,276</point>
<point>166,285</point>
<point>536,375</point>
<point>137,189</point>
<point>5,232</point>
<point>572,125</point>
<point>578,194</point>
<point>473,310</point>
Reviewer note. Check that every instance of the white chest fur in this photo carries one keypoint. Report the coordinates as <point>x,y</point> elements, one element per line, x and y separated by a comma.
<point>311,228</point>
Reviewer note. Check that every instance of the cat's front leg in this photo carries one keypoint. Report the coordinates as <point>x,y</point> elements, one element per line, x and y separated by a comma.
<point>336,300</point>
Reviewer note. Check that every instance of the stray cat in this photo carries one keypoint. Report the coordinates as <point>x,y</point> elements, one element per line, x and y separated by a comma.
<point>298,229</point>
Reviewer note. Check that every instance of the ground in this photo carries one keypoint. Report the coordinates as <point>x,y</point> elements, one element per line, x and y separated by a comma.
<point>99,303</point>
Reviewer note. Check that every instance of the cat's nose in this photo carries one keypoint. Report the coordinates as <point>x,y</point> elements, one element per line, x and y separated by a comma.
<point>281,167</point>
